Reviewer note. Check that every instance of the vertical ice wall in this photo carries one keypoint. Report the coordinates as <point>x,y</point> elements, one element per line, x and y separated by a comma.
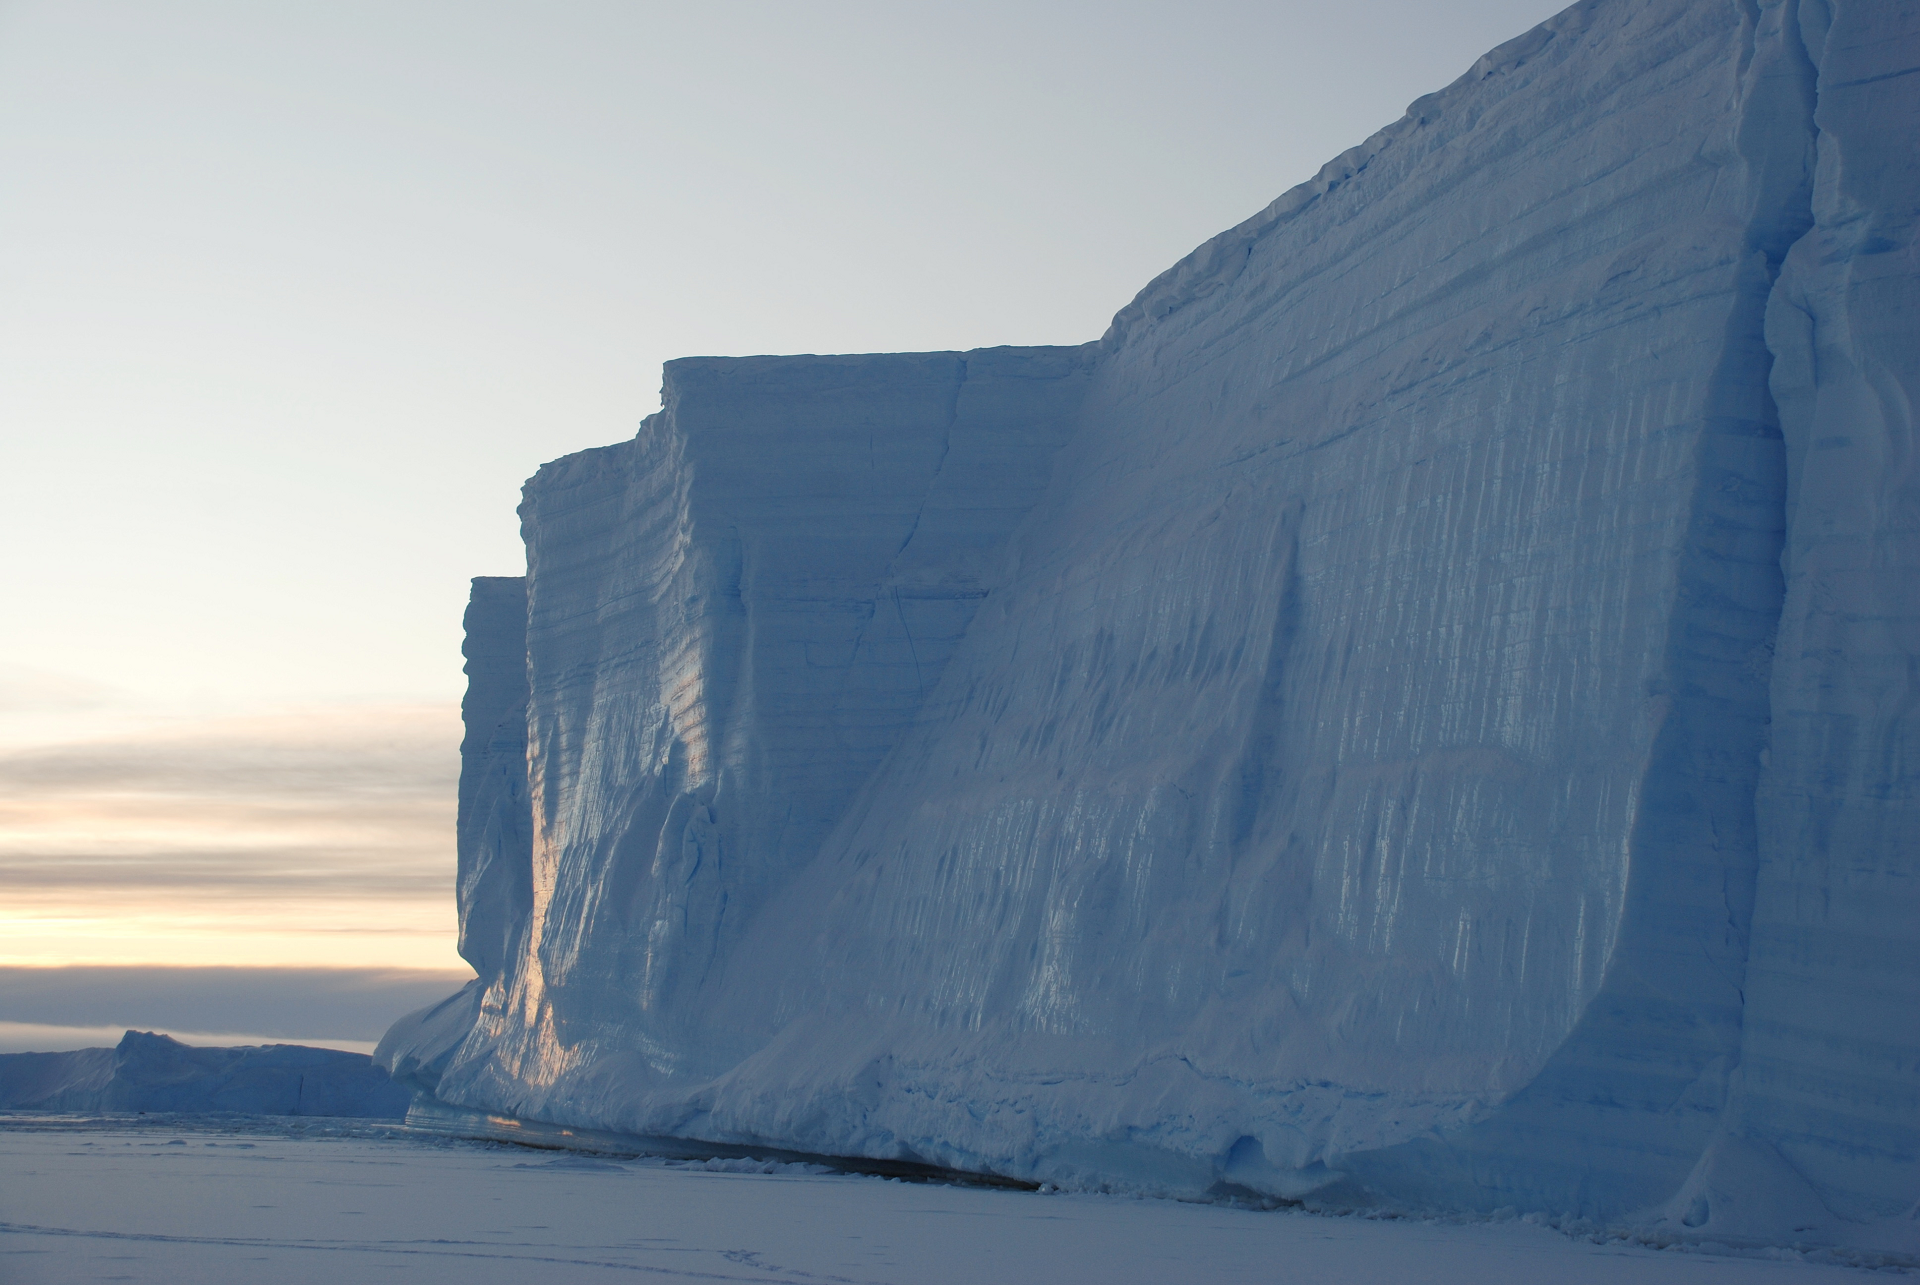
<point>1831,1065</point>
<point>1358,777</point>
<point>731,620</point>
<point>1347,765</point>
<point>493,835</point>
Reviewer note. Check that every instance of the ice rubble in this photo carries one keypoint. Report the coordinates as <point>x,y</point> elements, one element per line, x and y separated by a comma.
<point>1424,710</point>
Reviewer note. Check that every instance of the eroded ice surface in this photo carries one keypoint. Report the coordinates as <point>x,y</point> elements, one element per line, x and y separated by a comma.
<point>1423,710</point>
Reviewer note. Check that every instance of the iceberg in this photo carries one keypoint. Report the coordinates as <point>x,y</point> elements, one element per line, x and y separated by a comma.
<point>1422,712</point>
<point>152,1072</point>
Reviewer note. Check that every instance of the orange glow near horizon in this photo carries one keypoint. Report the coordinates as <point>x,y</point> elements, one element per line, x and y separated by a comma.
<point>54,935</point>
<point>318,837</point>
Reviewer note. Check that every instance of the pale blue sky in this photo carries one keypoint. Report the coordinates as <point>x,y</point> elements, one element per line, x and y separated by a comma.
<point>293,296</point>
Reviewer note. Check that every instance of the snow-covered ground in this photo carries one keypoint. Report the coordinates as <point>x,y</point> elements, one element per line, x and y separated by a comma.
<point>257,1199</point>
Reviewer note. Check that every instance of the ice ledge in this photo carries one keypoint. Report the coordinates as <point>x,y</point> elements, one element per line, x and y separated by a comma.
<point>430,1115</point>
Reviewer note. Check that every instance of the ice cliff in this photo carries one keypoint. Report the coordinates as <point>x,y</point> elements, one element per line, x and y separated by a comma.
<point>1425,710</point>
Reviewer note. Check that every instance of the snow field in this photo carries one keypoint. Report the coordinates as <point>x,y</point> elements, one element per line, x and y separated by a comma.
<point>186,1201</point>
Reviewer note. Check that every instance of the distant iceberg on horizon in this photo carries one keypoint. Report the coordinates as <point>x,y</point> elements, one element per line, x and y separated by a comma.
<point>1424,712</point>
<point>152,1072</point>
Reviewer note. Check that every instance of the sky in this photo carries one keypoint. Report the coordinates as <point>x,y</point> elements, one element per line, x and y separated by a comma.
<point>293,296</point>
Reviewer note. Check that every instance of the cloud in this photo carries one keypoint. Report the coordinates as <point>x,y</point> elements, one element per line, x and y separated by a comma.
<point>41,1008</point>
<point>27,689</point>
<point>295,872</point>
<point>44,1037</point>
<point>314,836</point>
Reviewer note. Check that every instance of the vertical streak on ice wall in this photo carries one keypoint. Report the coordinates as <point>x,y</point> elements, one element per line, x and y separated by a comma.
<point>494,830</point>
<point>1627,1105</point>
<point>1831,1071</point>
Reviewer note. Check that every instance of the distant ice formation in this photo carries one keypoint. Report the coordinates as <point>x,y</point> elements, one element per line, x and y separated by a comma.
<point>149,1072</point>
<point>1426,710</point>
